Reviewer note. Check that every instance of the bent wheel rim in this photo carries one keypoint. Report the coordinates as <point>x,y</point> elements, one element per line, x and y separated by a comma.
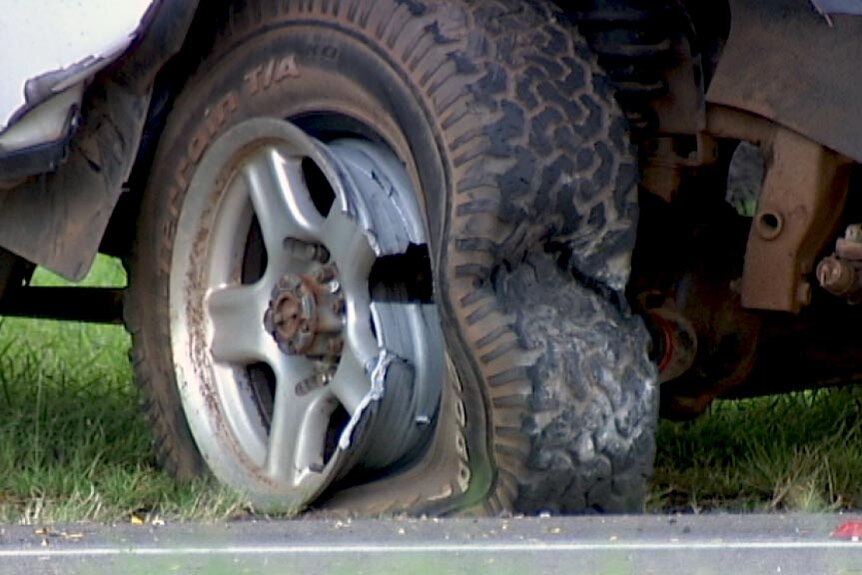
<point>292,374</point>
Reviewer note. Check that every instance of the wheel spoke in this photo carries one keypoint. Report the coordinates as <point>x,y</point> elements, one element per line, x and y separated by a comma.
<point>238,333</point>
<point>351,382</point>
<point>350,249</point>
<point>281,199</point>
<point>359,337</point>
<point>299,423</point>
<point>354,257</point>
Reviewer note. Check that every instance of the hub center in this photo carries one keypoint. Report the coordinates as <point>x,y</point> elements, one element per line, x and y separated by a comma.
<point>306,313</point>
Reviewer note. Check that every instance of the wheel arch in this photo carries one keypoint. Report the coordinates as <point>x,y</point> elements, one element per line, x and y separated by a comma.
<point>59,220</point>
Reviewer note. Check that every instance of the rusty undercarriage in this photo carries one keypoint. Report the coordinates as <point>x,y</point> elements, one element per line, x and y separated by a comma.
<point>758,299</point>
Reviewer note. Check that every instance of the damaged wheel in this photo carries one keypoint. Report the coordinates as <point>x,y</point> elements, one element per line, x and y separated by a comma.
<point>340,190</point>
<point>289,373</point>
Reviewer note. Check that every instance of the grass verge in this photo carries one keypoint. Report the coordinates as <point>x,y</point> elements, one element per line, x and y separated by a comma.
<point>796,452</point>
<point>73,444</point>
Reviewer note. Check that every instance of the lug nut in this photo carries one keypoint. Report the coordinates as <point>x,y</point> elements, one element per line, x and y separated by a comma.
<point>338,307</point>
<point>319,254</point>
<point>336,346</point>
<point>289,282</point>
<point>324,256</point>
<point>325,274</point>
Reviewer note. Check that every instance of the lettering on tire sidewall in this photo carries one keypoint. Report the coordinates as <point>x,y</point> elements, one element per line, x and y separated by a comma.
<point>256,81</point>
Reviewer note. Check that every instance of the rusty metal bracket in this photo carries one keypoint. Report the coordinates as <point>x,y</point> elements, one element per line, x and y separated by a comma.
<point>783,62</point>
<point>665,159</point>
<point>798,212</point>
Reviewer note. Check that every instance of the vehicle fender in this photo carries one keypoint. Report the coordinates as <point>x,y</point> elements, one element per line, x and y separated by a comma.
<point>58,44</point>
<point>57,220</point>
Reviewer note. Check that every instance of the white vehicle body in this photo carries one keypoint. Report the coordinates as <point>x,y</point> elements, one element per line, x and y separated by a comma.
<point>51,49</point>
<point>77,78</point>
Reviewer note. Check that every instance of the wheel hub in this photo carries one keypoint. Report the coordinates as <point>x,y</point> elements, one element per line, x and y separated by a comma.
<point>306,314</point>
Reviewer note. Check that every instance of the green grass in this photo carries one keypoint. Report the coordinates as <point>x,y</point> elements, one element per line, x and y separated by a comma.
<point>797,452</point>
<point>74,447</point>
<point>73,444</point>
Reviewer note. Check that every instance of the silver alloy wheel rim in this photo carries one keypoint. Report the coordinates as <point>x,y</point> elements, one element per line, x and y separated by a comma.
<point>388,375</point>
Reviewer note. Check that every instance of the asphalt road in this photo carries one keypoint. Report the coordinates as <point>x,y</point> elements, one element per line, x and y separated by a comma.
<point>690,545</point>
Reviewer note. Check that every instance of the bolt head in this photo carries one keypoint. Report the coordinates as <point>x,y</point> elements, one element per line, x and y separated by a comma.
<point>336,346</point>
<point>325,274</point>
<point>854,233</point>
<point>319,254</point>
<point>289,282</point>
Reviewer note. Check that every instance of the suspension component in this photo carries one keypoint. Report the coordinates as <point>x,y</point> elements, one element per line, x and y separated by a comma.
<point>674,337</point>
<point>841,273</point>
